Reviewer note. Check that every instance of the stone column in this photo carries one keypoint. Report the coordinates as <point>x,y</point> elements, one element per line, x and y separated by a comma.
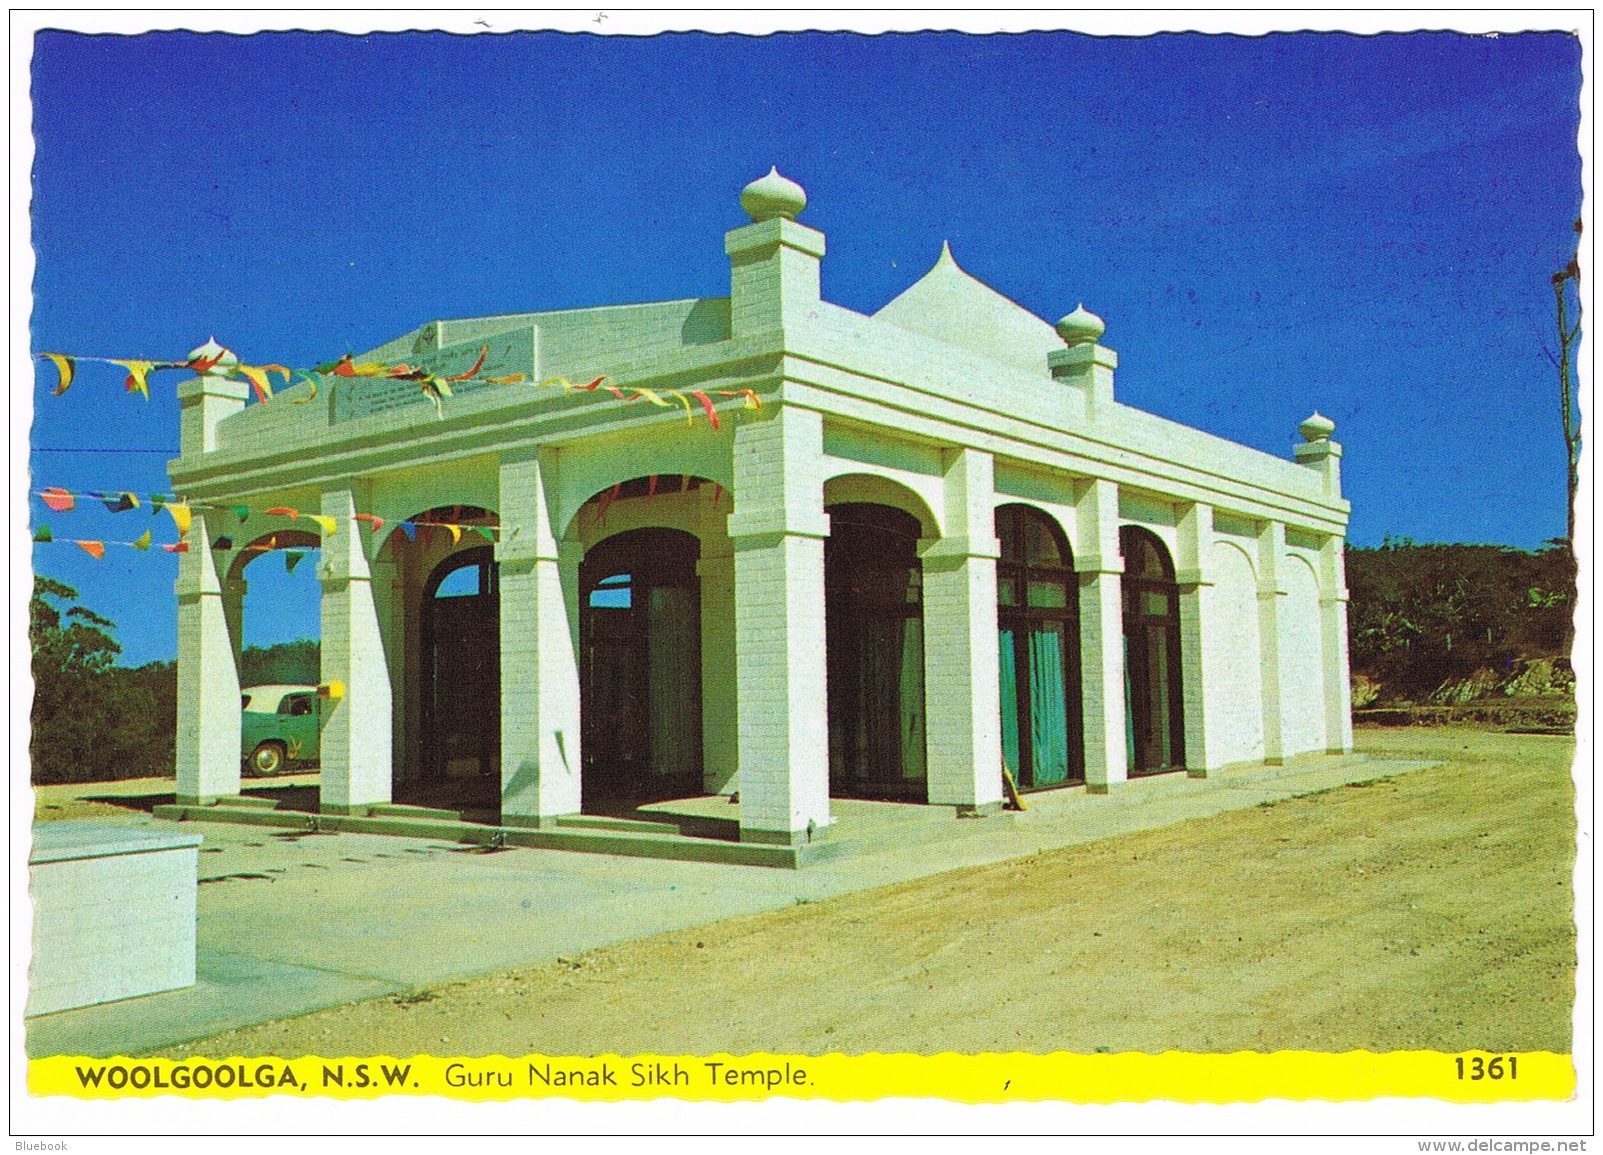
<point>774,262</point>
<point>1099,565</point>
<point>540,755</point>
<point>233,590</point>
<point>208,680</point>
<point>389,602</point>
<point>1333,631</point>
<point>1271,597</point>
<point>962,695</point>
<point>356,750</point>
<point>720,745</point>
<point>1194,575</point>
<point>778,530</point>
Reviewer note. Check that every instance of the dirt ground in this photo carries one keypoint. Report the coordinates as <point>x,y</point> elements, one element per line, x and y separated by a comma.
<point>1432,910</point>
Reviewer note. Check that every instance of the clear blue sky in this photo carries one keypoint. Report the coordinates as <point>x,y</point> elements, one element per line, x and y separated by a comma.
<point>1362,225</point>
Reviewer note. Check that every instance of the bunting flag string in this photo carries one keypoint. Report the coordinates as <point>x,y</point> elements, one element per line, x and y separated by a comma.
<point>214,359</point>
<point>62,500</point>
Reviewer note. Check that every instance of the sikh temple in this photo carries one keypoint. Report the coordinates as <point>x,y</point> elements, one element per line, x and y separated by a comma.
<point>918,556</point>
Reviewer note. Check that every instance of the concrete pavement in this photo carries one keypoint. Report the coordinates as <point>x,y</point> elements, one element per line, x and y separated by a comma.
<point>292,921</point>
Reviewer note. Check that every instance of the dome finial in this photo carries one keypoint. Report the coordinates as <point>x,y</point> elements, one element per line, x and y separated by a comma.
<point>1081,327</point>
<point>773,196</point>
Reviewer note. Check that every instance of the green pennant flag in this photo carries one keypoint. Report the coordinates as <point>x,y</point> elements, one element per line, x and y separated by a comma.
<point>242,512</point>
<point>292,558</point>
<point>489,534</point>
<point>157,502</point>
<point>43,534</point>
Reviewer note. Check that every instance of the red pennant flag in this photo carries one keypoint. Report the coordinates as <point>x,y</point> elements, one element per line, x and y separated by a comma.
<point>375,523</point>
<point>284,511</point>
<point>706,403</point>
<point>57,499</point>
<point>175,547</point>
<point>484,352</point>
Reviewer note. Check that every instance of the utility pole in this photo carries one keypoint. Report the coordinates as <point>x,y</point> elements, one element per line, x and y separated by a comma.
<point>1567,337</point>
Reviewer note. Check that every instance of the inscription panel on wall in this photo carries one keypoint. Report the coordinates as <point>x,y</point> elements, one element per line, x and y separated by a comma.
<point>505,354</point>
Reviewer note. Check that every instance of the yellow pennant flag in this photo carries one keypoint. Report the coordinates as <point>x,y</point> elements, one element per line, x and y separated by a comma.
<point>690,415</point>
<point>258,377</point>
<point>143,542</point>
<point>182,516</point>
<point>137,372</point>
<point>328,523</point>
<point>652,396</point>
<point>456,533</point>
<point>65,367</point>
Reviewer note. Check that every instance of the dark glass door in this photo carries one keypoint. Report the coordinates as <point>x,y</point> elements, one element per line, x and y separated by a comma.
<point>874,625</point>
<point>461,724</point>
<point>640,624</point>
<point>1155,720</point>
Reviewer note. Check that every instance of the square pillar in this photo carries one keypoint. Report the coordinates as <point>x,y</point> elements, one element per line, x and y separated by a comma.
<point>778,530</point>
<point>1333,632</point>
<point>1271,596</point>
<point>208,753</point>
<point>962,694</point>
<point>356,742</point>
<point>1194,576</point>
<point>540,754</point>
<point>1099,564</point>
<point>389,601</point>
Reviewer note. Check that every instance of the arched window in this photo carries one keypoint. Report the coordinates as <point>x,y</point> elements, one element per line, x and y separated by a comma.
<point>1154,718</point>
<point>1038,619</point>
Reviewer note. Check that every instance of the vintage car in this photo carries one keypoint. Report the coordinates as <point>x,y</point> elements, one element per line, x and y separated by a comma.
<point>278,728</point>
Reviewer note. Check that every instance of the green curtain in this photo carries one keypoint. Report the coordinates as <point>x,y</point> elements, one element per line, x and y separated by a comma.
<point>1010,703</point>
<point>912,712</point>
<point>1049,723</point>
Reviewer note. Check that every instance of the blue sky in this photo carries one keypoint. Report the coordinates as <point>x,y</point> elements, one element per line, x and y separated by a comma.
<point>1365,225</point>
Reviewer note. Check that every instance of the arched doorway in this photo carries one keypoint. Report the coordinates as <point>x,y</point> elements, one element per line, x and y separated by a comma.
<point>874,627</point>
<point>1155,719</point>
<point>461,635</point>
<point>1038,620</point>
<point>640,668</point>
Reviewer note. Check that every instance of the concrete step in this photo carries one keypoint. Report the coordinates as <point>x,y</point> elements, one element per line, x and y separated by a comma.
<point>633,842</point>
<point>603,822</point>
<point>248,800</point>
<point>401,810</point>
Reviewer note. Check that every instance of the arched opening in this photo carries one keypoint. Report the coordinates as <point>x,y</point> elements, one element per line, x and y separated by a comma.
<point>461,634</point>
<point>1038,620</point>
<point>275,622</point>
<point>640,668</point>
<point>1154,716</point>
<point>874,627</point>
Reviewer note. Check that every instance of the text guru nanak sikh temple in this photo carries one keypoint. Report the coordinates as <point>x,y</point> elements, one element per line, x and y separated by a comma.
<point>937,545</point>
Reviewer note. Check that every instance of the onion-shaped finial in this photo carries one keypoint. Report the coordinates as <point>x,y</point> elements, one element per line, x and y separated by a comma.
<point>1081,327</point>
<point>773,196</point>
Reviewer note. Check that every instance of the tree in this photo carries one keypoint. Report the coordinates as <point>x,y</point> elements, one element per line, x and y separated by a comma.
<point>93,720</point>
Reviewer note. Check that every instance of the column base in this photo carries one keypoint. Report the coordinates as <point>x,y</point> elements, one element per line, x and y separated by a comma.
<point>1200,772</point>
<point>1106,787</point>
<point>360,810</point>
<point>535,821</point>
<point>198,799</point>
<point>783,837</point>
<point>980,809</point>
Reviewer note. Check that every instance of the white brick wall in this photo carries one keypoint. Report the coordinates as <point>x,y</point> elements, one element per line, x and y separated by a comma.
<point>113,914</point>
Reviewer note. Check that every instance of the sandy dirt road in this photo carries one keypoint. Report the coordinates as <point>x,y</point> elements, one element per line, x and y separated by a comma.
<point>1432,910</point>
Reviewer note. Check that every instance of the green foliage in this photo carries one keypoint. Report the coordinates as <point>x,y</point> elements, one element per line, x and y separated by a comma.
<point>96,721</point>
<point>284,663</point>
<point>1423,614</point>
<point>93,721</point>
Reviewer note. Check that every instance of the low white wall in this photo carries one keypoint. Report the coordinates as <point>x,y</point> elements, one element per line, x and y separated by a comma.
<point>113,914</point>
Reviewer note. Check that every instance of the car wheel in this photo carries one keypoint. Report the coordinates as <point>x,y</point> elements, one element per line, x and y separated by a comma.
<point>267,759</point>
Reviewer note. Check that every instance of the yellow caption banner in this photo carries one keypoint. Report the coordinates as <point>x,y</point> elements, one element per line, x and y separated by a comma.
<point>1471,1077</point>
